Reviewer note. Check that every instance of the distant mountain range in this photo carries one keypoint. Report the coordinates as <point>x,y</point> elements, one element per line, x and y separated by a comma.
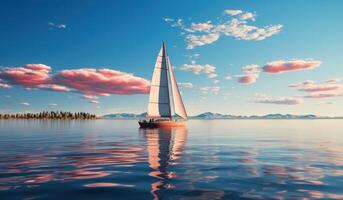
<point>124,116</point>
<point>210,115</point>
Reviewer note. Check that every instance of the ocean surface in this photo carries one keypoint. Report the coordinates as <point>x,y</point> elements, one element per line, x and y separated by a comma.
<point>210,159</point>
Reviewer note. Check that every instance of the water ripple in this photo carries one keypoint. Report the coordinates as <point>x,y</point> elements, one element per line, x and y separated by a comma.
<point>232,160</point>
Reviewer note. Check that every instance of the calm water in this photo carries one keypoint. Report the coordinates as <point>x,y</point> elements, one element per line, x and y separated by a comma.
<point>219,159</point>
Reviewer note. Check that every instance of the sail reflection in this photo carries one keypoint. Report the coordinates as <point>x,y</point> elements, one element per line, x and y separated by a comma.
<point>165,146</point>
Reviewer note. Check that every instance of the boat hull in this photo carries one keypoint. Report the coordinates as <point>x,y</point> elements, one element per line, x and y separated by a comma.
<point>161,124</point>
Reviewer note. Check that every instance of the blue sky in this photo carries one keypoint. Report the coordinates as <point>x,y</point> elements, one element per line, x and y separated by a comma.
<point>126,36</point>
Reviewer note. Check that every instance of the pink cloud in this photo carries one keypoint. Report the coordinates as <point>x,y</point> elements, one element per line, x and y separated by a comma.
<point>281,66</point>
<point>102,82</point>
<point>28,76</point>
<point>91,82</point>
<point>280,100</point>
<point>247,79</point>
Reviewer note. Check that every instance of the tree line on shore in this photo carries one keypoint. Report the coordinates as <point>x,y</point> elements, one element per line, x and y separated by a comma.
<point>49,115</point>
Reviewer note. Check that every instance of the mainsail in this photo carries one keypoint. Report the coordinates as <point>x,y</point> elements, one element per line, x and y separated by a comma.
<point>164,92</point>
<point>159,102</point>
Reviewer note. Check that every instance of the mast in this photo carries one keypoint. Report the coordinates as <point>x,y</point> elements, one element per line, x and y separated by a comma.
<point>168,75</point>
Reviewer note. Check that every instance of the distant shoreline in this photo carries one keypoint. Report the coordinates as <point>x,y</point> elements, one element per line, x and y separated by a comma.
<point>52,115</point>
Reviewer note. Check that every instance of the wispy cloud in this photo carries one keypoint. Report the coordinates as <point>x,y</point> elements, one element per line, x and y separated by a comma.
<point>333,80</point>
<point>193,57</point>
<point>301,84</point>
<point>58,26</point>
<point>200,69</point>
<point>200,40</point>
<point>185,85</point>
<point>247,16</point>
<point>321,88</point>
<point>281,66</point>
<point>201,27</point>
<point>235,24</point>
<point>90,97</point>
<point>233,12</point>
<point>54,87</point>
<point>4,85</point>
<point>206,90</point>
<point>174,22</point>
<point>53,104</point>
<point>94,101</point>
<point>25,103</point>
<point>320,95</point>
<point>279,100</point>
<point>168,19</point>
<point>228,77</point>
<point>212,75</point>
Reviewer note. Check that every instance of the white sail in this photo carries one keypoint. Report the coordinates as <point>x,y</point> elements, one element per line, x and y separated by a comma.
<point>159,101</point>
<point>179,108</point>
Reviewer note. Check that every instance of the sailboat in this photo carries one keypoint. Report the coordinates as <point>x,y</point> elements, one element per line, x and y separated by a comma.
<point>165,108</point>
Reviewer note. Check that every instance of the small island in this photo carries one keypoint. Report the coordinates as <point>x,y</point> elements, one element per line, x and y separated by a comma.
<point>50,115</point>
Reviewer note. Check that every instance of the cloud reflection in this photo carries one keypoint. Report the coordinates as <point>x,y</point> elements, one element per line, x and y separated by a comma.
<point>107,185</point>
<point>86,160</point>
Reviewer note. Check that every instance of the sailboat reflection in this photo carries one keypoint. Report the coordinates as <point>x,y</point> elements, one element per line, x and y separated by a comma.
<point>165,146</point>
